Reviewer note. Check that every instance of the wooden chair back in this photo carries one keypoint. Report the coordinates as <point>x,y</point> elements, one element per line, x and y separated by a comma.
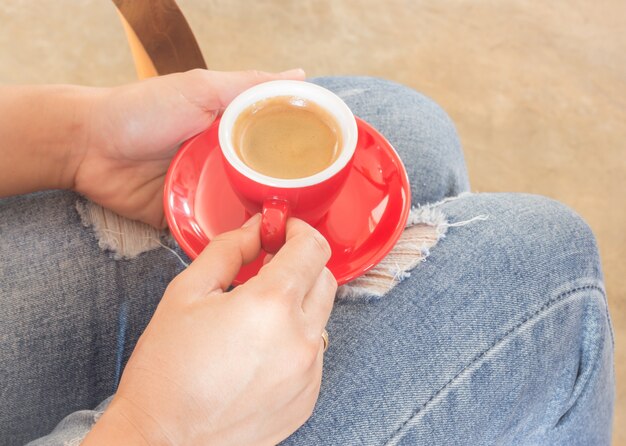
<point>159,36</point>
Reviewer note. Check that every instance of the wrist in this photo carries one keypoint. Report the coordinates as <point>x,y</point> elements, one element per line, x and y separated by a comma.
<point>74,137</point>
<point>45,132</point>
<point>122,423</point>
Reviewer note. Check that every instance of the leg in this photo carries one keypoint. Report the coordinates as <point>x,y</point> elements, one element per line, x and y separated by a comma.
<point>501,337</point>
<point>416,127</point>
<point>70,313</point>
<point>409,118</point>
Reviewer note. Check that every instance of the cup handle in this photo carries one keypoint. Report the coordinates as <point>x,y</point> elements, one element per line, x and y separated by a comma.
<point>273,224</point>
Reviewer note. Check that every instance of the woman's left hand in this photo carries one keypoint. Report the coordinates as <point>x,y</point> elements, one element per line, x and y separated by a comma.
<point>135,130</point>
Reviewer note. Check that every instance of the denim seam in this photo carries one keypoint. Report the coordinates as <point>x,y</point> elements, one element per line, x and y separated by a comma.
<point>498,341</point>
<point>581,383</point>
<point>608,318</point>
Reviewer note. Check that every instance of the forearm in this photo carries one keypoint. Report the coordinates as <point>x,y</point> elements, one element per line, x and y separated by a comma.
<point>44,131</point>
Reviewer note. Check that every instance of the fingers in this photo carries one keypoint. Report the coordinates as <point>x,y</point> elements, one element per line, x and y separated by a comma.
<point>230,84</point>
<point>294,269</point>
<point>318,302</point>
<point>214,90</point>
<point>177,106</point>
<point>217,266</point>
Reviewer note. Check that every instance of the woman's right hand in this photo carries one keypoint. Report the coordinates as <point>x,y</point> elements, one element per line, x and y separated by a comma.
<point>229,368</point>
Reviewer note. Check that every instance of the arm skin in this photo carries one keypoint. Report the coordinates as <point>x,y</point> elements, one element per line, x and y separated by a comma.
<point>43,131</point>
<point>112,145</point>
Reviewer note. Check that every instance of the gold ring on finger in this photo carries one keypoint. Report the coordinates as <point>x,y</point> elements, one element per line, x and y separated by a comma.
<point>325,339</point>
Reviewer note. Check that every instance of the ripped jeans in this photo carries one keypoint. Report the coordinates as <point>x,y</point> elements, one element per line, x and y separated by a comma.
<point>501,336</point>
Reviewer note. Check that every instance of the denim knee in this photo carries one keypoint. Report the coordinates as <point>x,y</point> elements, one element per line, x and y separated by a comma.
<point>535,245</point>
<point>530,276</point>
<point>571,252</point>
<point>559,231</point>
<point>419,129</point>
<point>528,231</point>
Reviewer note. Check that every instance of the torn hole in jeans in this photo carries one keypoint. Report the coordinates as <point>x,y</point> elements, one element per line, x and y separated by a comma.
<point>124,238</point>
<point>426,225</point>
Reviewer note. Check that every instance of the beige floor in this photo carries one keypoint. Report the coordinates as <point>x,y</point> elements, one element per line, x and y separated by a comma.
<point>537,89</point>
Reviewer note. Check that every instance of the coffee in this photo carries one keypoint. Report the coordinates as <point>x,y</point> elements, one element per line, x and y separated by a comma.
<point>287,137</point>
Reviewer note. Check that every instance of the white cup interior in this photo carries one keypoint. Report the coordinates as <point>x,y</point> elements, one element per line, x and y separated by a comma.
<point>306,90</point>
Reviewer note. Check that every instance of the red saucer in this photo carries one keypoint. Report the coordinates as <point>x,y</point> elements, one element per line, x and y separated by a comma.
<point>361,227</point>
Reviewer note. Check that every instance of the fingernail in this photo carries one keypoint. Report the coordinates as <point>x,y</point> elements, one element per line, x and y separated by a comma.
<point>252,220</point>
<point>296,72</point>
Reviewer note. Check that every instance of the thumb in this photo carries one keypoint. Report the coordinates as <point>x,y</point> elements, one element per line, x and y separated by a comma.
<point>190,101</point>
<point>214,90</point>
<point>217,266</point>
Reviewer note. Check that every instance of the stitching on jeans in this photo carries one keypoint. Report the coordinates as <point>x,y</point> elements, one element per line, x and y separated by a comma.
<point>476,358</point>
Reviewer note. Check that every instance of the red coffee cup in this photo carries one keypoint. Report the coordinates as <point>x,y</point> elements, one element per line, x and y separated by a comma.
<point>307,198</point>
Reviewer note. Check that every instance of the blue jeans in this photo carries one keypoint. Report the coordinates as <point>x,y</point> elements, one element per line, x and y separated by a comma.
<point>501,337</point>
